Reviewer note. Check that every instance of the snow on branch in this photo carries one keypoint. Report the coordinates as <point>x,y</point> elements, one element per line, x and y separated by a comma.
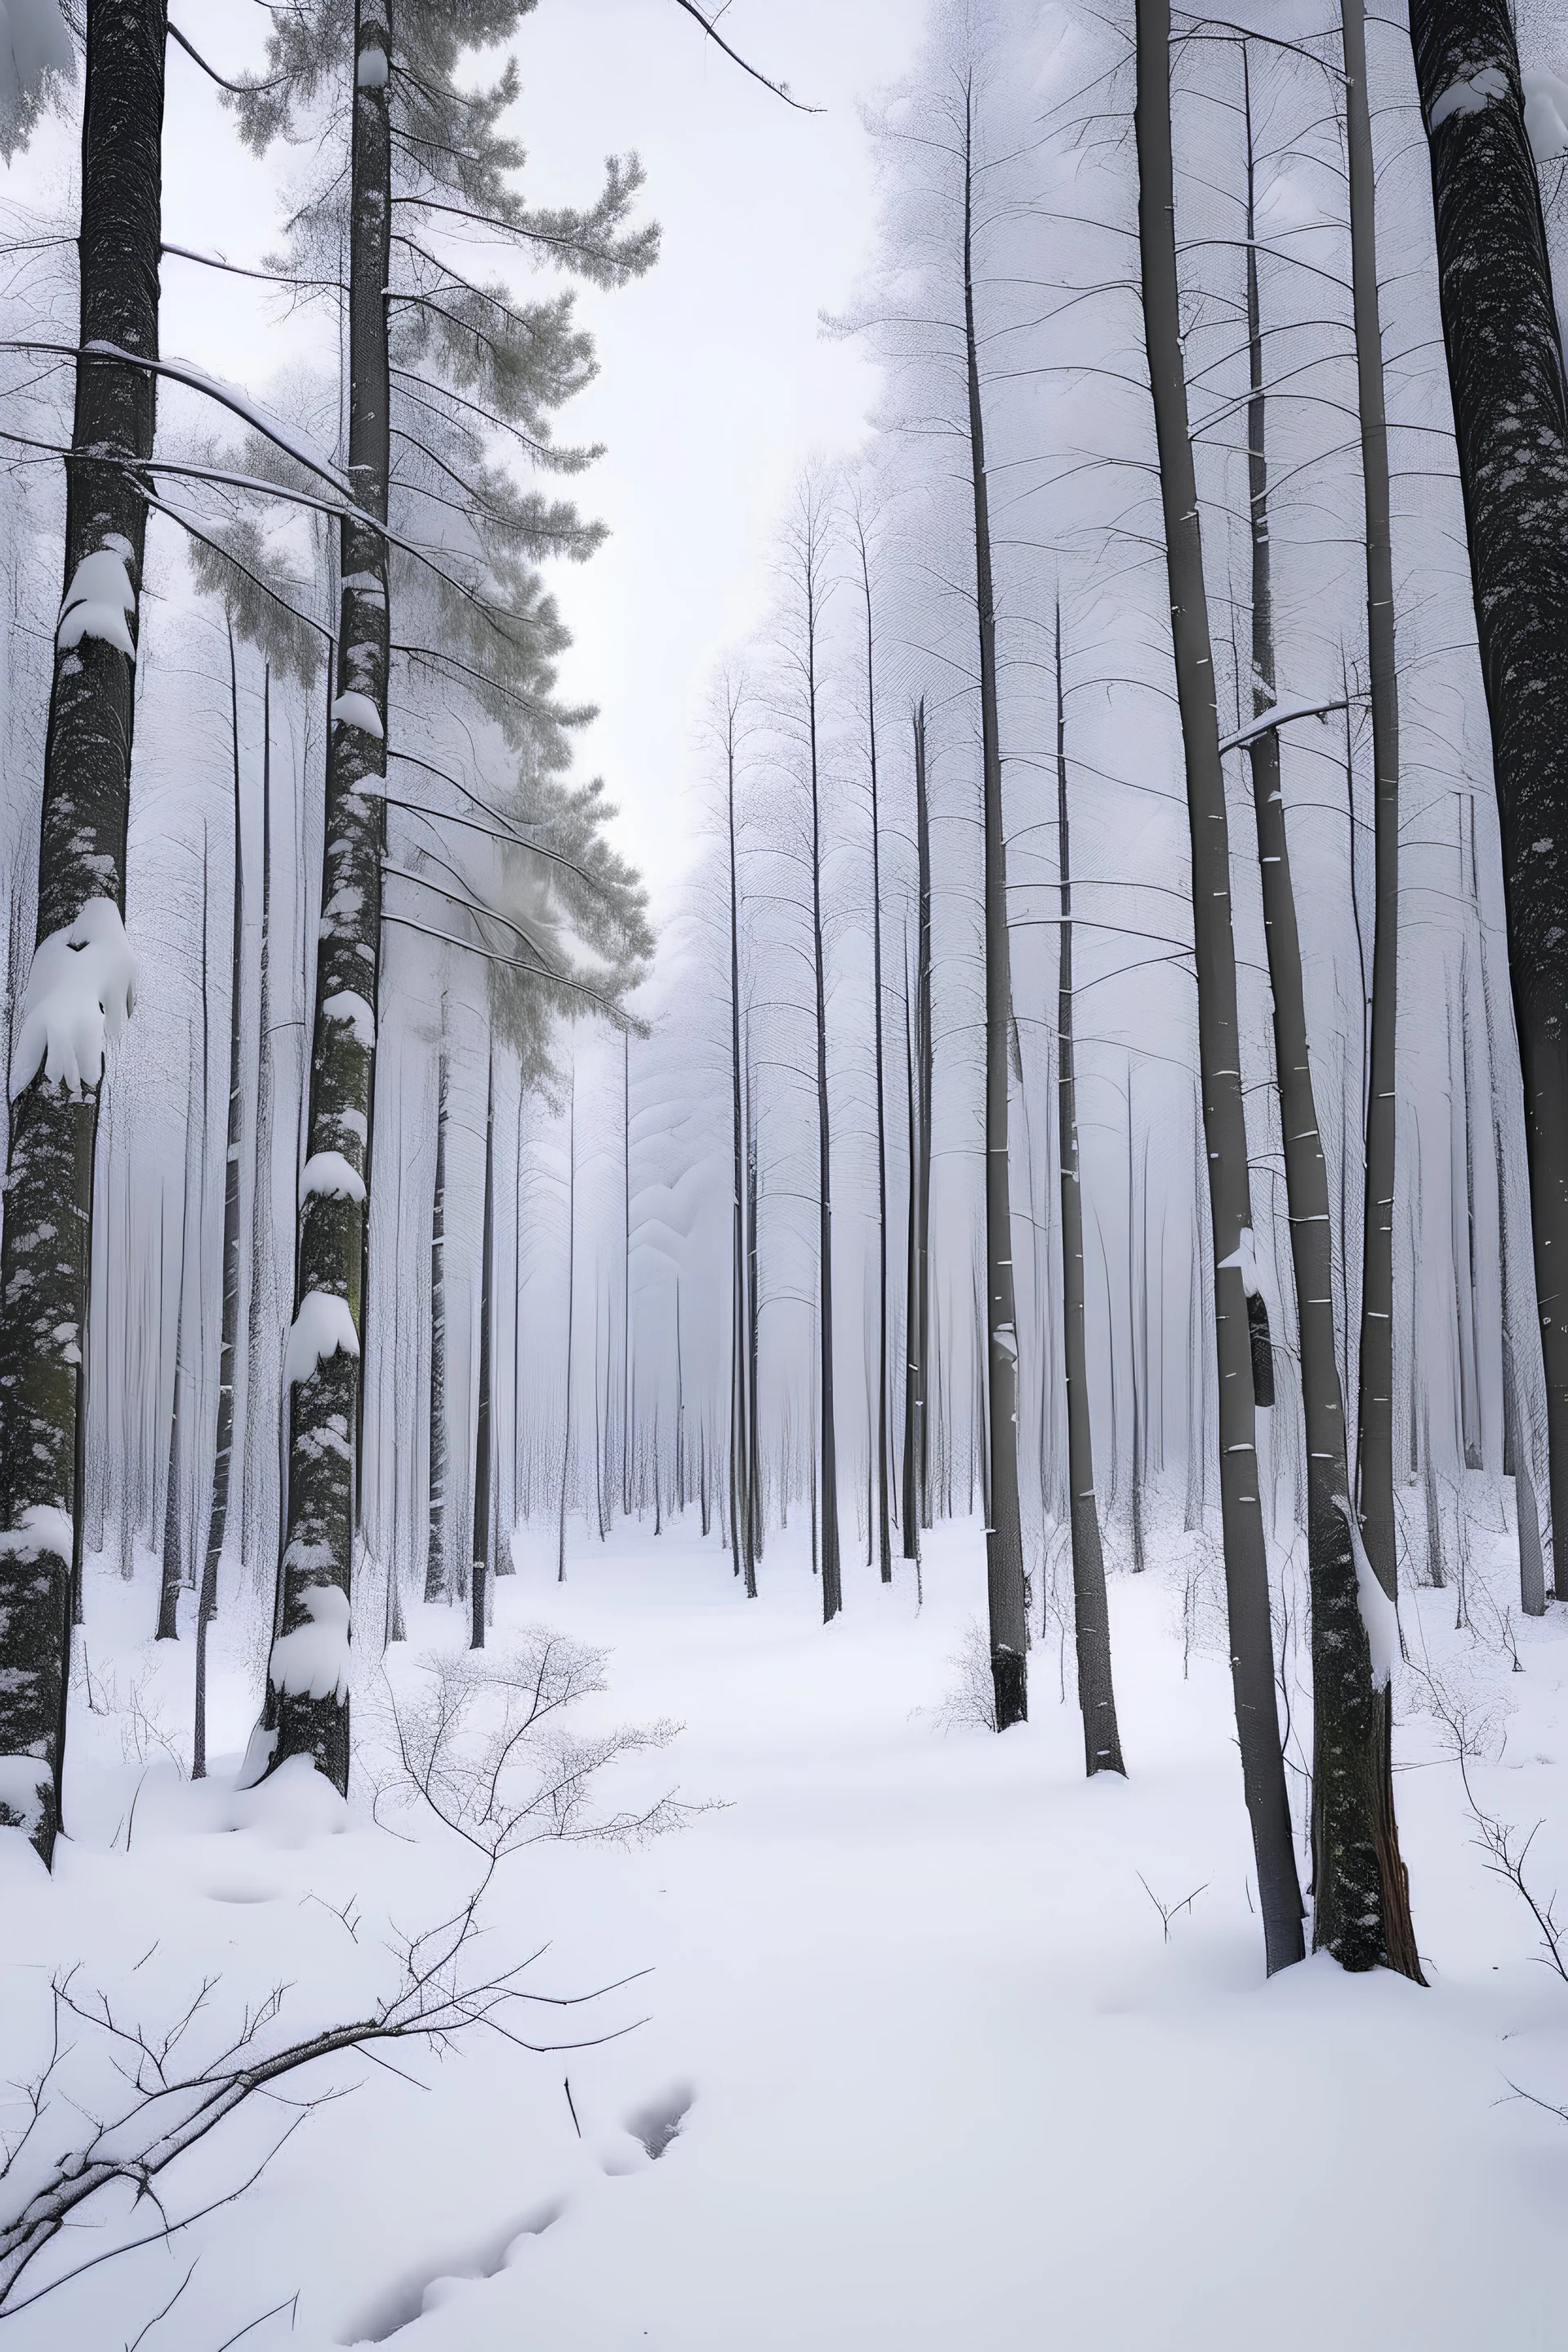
<point>80,991</point>
<point>1279,714</point>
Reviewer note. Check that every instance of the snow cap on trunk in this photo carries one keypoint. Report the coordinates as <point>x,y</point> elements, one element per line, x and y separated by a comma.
<point>330,1174</point>
<point>1244,1258</point>
<point>354,710</point>
<point>349,1005</point>
<point>80,992</point>
<point>321,1326</point>
<point>1468,97</point>
<point>1378,1614</point>
<point>99,596</point>
<point>312,1662</point>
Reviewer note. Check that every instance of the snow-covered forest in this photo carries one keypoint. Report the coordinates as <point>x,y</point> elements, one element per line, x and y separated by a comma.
<point>804,1403</point>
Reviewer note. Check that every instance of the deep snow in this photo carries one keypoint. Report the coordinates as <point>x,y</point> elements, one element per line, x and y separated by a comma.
<point>919,2063</point>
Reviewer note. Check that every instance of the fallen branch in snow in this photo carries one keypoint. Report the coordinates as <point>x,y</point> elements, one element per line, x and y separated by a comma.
<point>167,2106</point>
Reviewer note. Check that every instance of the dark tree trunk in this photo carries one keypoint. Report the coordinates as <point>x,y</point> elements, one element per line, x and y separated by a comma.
<point>223,1456</point>
<point>826,1508</point>
<point>627,1272</point>
<point>170,1565</point>
<point>741,1523</point>
<point>1091,1614</point>
<point>318,1553</point>
<point>478,1584</point>
<point>1375,1415</point>
<point>1219,1043</point>
<point>753,1325</point>
<point>917,1436</point>
<point>1510,415</point>
<point>1003,1532</point>
<point>1360,1910</point>
<point>884,1532</point>
<point>435,1575</point>
<point>47,1259</point>
<point>571,1332</point>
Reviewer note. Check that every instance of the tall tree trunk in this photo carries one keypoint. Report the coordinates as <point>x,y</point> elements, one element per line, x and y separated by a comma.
<point>741,1522</point>
<point>1003,1532</point>
<point>1510,417</point>
<point>1375,1415</point>
<point>223,1456</point>
<point>1360,1910</point>
<point>479,1584</point>
<point>627,1389</point>
<point>884,1532</point>
<point>170,1567</point>
<point>826,1486</point>
<point>917,1431</point>
<point>571,1331</point>
<point>1219,1041</point>
<point>46,1261</point>
<point>1091,1614</point>
<point>317,1560</point>
<point>437,1577</point>
<point>753,1323</point>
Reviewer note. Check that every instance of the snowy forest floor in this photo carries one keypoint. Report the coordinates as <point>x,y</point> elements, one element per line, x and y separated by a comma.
<point>938,2072</point>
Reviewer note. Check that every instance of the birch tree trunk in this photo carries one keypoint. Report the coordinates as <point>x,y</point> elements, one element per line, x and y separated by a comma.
<point>1360,1894</point>
<point>1003,1532</point>
<point>1510,417</point>
<point>324,1360</point>
<point>46,1259</point>
<point>1219,1043</point>
<point>1091,1614</point>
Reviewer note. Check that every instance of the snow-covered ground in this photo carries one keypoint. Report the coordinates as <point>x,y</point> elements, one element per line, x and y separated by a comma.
<point>937,2074</point>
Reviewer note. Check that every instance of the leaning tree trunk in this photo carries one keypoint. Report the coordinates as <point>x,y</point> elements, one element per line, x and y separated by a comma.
<point>1091,1613</point>
<point>81,965</point>
<point>1360,1895</point>
<point>917,1312</point>
<point>1004,1533</point>
<point>478,1584</point>
<point>1510,417</point>
<point>1374,1413</point>
<point>441,1452</point>
<point>323,1366</point>
<point>1219,1041</point>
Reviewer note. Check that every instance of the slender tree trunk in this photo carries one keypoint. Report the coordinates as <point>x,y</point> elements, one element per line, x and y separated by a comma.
<point>1091,1614</point>
<point>1219,1043</point>
<point>223,1456</point>
<point>1360,1909</point>
<point>827,1486</point>
<point>437,1579</point>
<point>917,1437</point>
<point>627,1272</point>
<point>1510,417</point>
<point>1004,1533</point>
<point>571,1331</point>
<point>479,1585</point>
<point>753,1325</point>
<point>1374,1439</point>
<point>170,1567</point>
<point>740,1448</point>
<point>46,1261</point>
<point>884,1532</point>
<point>325,1349</point>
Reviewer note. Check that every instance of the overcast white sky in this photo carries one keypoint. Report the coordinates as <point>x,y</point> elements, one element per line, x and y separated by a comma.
<point>716,383</point>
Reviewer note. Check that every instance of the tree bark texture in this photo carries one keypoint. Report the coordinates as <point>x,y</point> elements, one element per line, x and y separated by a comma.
<point>828,1483</point>
<point>323,1433</point>
<point>1374,1411</point>
<point>478,1583</point>
<point>740,1402</point>
<point>1360,1894</point>
<point>917,1312</point>
<point>436,1577</point>
<point>1219,1044</point>
<point>1510,417</point>
<point>1091,1614</point>
<point>1004,1531</point>
<point>46,1259</point>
